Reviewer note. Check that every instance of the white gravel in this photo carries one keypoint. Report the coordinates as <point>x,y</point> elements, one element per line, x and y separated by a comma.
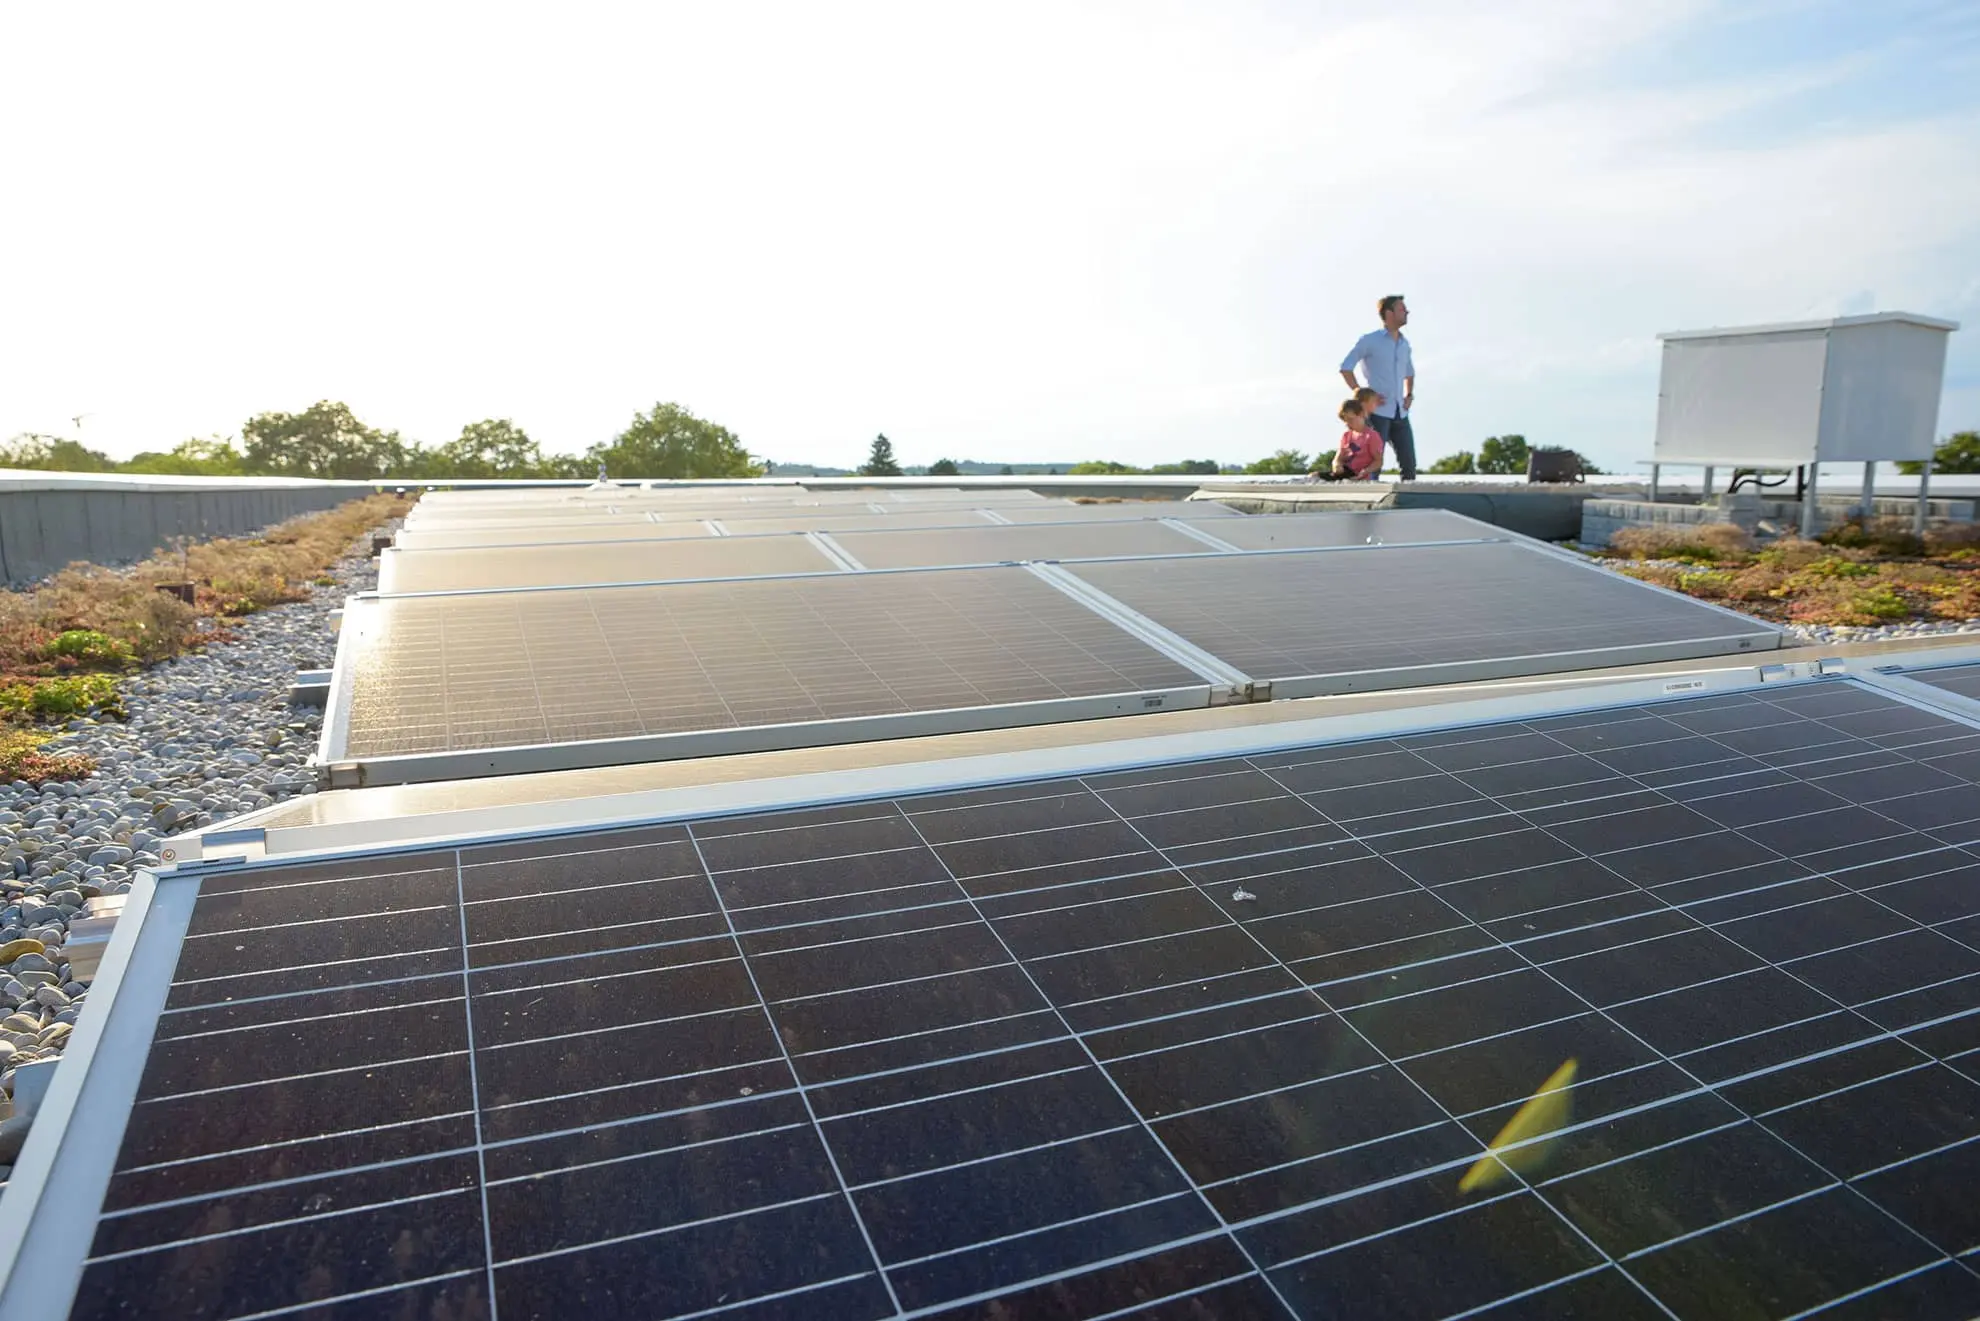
<point>209,736</point>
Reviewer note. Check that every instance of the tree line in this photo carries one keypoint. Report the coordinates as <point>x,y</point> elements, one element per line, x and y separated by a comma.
<point>327,440</point>
<point>666,442</point>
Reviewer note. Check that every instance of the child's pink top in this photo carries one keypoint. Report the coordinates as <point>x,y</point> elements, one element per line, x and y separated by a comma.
<point>1361,453</point>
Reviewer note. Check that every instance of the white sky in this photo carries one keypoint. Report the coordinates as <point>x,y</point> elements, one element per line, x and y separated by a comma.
<point>1023,231</point>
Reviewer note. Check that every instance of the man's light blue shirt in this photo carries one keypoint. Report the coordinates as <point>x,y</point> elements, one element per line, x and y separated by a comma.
<point>1385,364</point>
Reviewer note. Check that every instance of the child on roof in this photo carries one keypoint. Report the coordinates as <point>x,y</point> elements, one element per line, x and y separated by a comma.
<point>1359,457</point>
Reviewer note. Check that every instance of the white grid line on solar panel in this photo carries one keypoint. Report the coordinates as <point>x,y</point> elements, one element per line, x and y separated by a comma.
<point>1781,966</point>
<point>1384,1055</point>
<point>1607,1118</point>
<point>845,1187</point>
<point>1287,614</point>
<point>1141,1120</point>
<point>887,549</point>
<point>981,838</point>
<point>1404,887</point>
<point>766,651</point>
<point>1610,1116</point>
<point>589,563</point>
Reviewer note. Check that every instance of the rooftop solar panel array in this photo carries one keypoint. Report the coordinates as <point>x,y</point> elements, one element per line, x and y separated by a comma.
<point>527,669</point>
<point>1210,1039</point>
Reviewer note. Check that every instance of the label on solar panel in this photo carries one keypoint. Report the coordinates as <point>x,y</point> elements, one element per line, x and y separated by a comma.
<point>1665,1010</point>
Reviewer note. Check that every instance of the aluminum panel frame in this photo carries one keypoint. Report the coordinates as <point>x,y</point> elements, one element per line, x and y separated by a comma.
<point>338,772</point>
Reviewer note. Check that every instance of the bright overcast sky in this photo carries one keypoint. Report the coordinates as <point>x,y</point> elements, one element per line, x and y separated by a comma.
<point>1023,231</point>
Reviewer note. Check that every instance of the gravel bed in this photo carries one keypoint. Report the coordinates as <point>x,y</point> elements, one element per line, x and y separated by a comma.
<point>209,736</point>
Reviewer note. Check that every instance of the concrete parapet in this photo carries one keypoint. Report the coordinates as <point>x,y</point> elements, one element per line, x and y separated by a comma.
<point>43,530</point>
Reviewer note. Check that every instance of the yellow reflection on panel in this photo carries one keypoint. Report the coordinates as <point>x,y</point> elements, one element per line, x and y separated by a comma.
<point>1516,1148</point>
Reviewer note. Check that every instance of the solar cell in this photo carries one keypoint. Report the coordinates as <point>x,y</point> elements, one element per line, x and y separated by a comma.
<point>993,545</point>
<point>1217,1038</point>
<point>534,672</point>
<point>1347,528</point>
<point>597,562</point>
<point>1338,621</point>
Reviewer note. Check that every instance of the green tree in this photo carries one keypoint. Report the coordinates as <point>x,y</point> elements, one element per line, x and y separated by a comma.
<point>1957,453</point>
<point>1099,468</point>
<point>48,454</point>
<point>210,456</point>
<point>1464,461</point>
<point>495,447</point>
<point>1005,471</point>
<point>324,440</point>
<point>942,468</point>
<point>1189,467</point>
<point>1503,454</point>
<point>880,463</point>
<point>667,442</point>
<point>1278,463</point>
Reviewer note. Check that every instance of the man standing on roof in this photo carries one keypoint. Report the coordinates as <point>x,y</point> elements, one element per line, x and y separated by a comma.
<point>1384,358</point>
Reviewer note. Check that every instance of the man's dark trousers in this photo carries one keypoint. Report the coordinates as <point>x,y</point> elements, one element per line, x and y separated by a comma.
<point>1400,440</point>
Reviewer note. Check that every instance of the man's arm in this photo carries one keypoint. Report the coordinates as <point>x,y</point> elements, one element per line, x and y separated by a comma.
<point>1409,392</point>
<point>1353,360</point>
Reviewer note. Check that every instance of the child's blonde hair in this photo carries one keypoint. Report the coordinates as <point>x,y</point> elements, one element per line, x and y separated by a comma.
<point>1366,397</point>
<point>1352,408</point>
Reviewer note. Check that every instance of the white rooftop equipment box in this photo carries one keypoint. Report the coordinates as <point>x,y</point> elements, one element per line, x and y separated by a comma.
<point>1855,389</point>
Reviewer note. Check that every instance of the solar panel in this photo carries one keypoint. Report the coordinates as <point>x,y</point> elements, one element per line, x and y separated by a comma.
<point>992,545</point>
<point>1347,528</point>
<point>603,676</point>
<point>597,562</point>
<point>1192,509</point>
<point>1211,1039</point>
<point>1348,620</point>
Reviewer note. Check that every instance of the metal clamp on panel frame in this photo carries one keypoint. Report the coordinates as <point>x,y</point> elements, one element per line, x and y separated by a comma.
<point>834,552</point>
<point>1196,533</point>
<point>1231,683</point>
